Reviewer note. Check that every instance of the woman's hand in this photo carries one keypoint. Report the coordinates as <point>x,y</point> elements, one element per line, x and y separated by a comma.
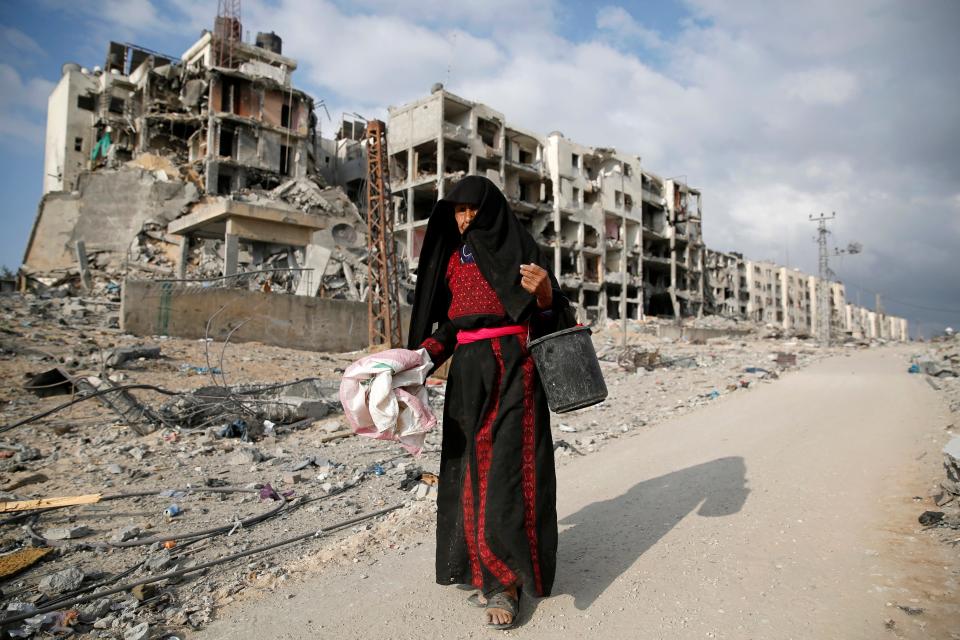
<point>534,279</point>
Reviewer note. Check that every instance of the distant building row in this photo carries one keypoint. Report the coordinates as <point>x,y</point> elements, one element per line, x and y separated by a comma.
<point>625,241</point>
<point>784,297</point>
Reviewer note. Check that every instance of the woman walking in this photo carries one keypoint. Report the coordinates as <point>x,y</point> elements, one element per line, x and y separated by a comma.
<point>483,289</point>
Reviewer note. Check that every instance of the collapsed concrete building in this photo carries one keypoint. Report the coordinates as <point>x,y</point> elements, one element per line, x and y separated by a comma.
<point>204,163</point>
<point>235,123</point>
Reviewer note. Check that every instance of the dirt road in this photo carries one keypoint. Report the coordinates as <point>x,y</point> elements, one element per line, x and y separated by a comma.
<point>783,513</point>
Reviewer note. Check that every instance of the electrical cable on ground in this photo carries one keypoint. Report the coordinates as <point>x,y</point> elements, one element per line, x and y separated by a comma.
<point>200,567</point>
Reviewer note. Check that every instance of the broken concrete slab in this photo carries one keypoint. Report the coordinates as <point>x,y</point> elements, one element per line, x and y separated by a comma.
<point>121,355</point>
<point>67,533</point>
<point>61,581</point>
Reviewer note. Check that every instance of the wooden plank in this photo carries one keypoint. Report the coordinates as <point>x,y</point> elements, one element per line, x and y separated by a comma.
<point>48,503</point>
<point>336,435</point>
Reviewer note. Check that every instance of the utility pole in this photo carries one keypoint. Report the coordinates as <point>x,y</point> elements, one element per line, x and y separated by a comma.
<point>823,289</point>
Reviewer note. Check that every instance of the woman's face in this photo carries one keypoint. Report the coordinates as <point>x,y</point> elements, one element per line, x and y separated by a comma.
<point>464,213</point>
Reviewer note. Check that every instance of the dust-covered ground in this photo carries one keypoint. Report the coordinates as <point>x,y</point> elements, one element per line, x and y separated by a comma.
<point>319,476</point>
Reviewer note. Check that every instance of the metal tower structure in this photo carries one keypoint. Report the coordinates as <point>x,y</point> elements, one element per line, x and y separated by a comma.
<point>823,289</point>
<point>227,31</point>
<point>383,295</point>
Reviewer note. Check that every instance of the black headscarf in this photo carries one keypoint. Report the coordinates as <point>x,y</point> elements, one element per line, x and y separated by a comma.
<point>499,243</point>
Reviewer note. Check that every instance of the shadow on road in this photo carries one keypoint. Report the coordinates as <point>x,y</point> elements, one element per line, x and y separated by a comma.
<point>607,537</point>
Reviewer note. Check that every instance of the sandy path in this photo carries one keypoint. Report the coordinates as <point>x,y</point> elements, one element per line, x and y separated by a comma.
<point>781,513</point>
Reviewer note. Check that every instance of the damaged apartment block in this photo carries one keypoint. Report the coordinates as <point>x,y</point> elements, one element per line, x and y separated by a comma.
<point>196,167</point>
<point>624,242</point>
<point>234,121</point>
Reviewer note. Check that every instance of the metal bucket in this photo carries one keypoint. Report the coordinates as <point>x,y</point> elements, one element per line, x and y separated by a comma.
<point>569,369</point>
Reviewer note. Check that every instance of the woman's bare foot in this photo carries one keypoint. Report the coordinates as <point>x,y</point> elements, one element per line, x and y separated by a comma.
<point>502,616</point>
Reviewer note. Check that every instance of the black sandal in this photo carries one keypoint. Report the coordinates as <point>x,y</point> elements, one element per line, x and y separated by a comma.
<point>506,602</point>
<point>474,598</point>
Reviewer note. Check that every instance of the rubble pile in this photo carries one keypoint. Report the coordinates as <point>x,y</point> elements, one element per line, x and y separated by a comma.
<point>248,449</point>
<point>940,368</point>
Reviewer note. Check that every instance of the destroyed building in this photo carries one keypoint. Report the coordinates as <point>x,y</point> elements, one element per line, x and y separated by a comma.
<point>786,298</point>
<point>234,119</point>
<point>624,241</point>
<point>211,165</point>
<point>206,163</point>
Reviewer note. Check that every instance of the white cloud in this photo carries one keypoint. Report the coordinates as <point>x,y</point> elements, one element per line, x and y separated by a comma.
<point>24,104</point>
<point>16,43</point>
<point>822,86</point>
<point>622,27</point>
<point>467,14</point>
<point>373,59</point>
<point>15,92</point>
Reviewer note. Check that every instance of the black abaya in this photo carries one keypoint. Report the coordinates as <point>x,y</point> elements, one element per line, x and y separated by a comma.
<point>496,507</point>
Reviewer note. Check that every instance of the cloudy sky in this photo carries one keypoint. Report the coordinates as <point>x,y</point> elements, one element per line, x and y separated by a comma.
<point>775,109</point>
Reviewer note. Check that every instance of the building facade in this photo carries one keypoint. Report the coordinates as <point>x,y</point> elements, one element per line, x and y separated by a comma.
<point>230,112</point>
<point>624,242</point>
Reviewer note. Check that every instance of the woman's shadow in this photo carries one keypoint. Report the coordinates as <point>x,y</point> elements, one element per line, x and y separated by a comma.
<point>607,537</point>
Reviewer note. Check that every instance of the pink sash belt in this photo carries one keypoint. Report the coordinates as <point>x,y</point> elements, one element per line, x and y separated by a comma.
<point>466,337</point>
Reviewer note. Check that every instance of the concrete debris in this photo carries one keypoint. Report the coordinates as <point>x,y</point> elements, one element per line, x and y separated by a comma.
<point>127,533</point>
<point>139,632</point>
<point>118,357</point>
<point>217,481</point>
<point>62,581</point>
<point>67,533</point>
<point>951,465</point>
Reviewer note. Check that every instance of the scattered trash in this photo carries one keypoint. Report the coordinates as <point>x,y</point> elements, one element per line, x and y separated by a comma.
<point>236,429</point>
<point>910,611</point>
<point>200,371</point>
<point>786,359</point>
<point>172,512</point>
<point>631,358</point>
<point>48,503</point>
<point>143,591</point>
<point>914,368</point>
<point>377,470</point>
<point>713,395</point>
<point>267,492</point>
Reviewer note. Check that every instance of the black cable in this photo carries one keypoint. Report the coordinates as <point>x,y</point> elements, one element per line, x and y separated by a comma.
<point>149,387</point>
<point>205,565</point>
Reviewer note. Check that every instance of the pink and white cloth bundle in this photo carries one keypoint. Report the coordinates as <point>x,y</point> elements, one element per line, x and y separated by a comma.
<point>383,397</point>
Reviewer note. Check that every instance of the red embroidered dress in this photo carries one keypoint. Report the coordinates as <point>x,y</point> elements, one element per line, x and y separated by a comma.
<point>496,520</point>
